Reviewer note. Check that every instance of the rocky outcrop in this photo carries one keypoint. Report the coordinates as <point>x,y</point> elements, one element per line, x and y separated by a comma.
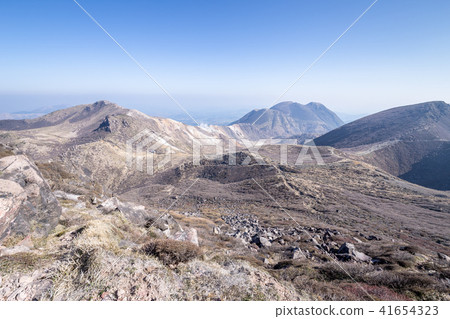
<point>188,235</point>
<point>261,241</point>
<point>348,252</point>
<point>137,214</point>
<point>27,204</point>
<point>159,222</point>
<point>296,253</point>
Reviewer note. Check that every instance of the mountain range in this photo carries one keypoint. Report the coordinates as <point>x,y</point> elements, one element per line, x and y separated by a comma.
<point>78,223</point>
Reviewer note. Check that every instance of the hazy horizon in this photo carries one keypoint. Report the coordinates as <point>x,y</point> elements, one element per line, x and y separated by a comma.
<point>203,115</point>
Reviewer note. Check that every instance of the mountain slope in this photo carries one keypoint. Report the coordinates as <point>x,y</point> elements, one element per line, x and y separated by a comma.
<point>424,121</point>
<point>70,116</point>
<point>404,141</point>
<point>91,141</point>
<point>287,119</point>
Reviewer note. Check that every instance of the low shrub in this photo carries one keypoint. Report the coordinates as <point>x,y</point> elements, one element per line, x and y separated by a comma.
<point>5,152</point>
<point>363,291</point>
<point>342,271</point>
<point>402,280</point>
<point>172,252</point>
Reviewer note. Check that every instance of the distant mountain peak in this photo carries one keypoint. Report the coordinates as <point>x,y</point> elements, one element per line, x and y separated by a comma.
<point>88,114</point>
<point>315,104</point>
<point>295,104</point>
<point>103,103</point>
<point>288,118</point>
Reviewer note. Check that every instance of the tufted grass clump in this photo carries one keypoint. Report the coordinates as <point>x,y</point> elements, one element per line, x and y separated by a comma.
<point>172,252</point>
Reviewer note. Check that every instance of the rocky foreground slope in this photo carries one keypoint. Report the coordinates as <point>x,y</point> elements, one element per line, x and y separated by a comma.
<point>345,230</point>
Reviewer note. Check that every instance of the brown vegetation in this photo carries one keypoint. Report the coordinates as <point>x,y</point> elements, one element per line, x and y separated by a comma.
<point>172,252</point>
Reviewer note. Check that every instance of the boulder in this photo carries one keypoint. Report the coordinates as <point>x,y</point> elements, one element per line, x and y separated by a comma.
<point>163,222</point>
<point>66,196</point>
<point>6,251</point>
<point>139,215</point>
<point>443,257</point>
<point>192,236</point>
<point>261,241</point>
<point>216,230</point>
<point>110,205</point>
<point>188,235</point>
<point>27,204</point>
<point>296,253</point>
<point>347,252</point>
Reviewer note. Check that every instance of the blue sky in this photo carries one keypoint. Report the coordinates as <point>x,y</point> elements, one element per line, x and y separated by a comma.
<point>225,55</point>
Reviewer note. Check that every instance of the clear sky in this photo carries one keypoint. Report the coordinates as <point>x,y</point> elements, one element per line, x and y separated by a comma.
<point>224,54</point>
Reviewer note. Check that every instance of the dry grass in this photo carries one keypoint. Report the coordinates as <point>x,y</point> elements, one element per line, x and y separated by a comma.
<point>79,276</point>
<point>392,256</point>
<point>11,241</point>
<point>391,285</point>
<point>172,252</point>
<point>363,291</point>
<point>331,271</point>
<point>99,234</point>
<point>22,262</point>
<point>60,179</point>
<point>5,152</point>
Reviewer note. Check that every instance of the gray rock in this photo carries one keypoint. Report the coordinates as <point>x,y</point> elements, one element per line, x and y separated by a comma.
<point>261,241</point>
<point>359,256</point>
<point>189,235</point>
<point>192,236</point>
<point>25,280</point>
<point>264,242</point>
<point>137,214</point>
<point>127,244</point>
<point>296,253</point>
<point>66,196</point>
<point>80,205</point>
<point>27,205</point>
<point>346,248</point>
<point>110,205</point>
<point>443,257</point>
<point>216,230</point>
<point>347,251</point>
<point>94,200</point>
<point>13,250</point>
<point>315,242</point>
